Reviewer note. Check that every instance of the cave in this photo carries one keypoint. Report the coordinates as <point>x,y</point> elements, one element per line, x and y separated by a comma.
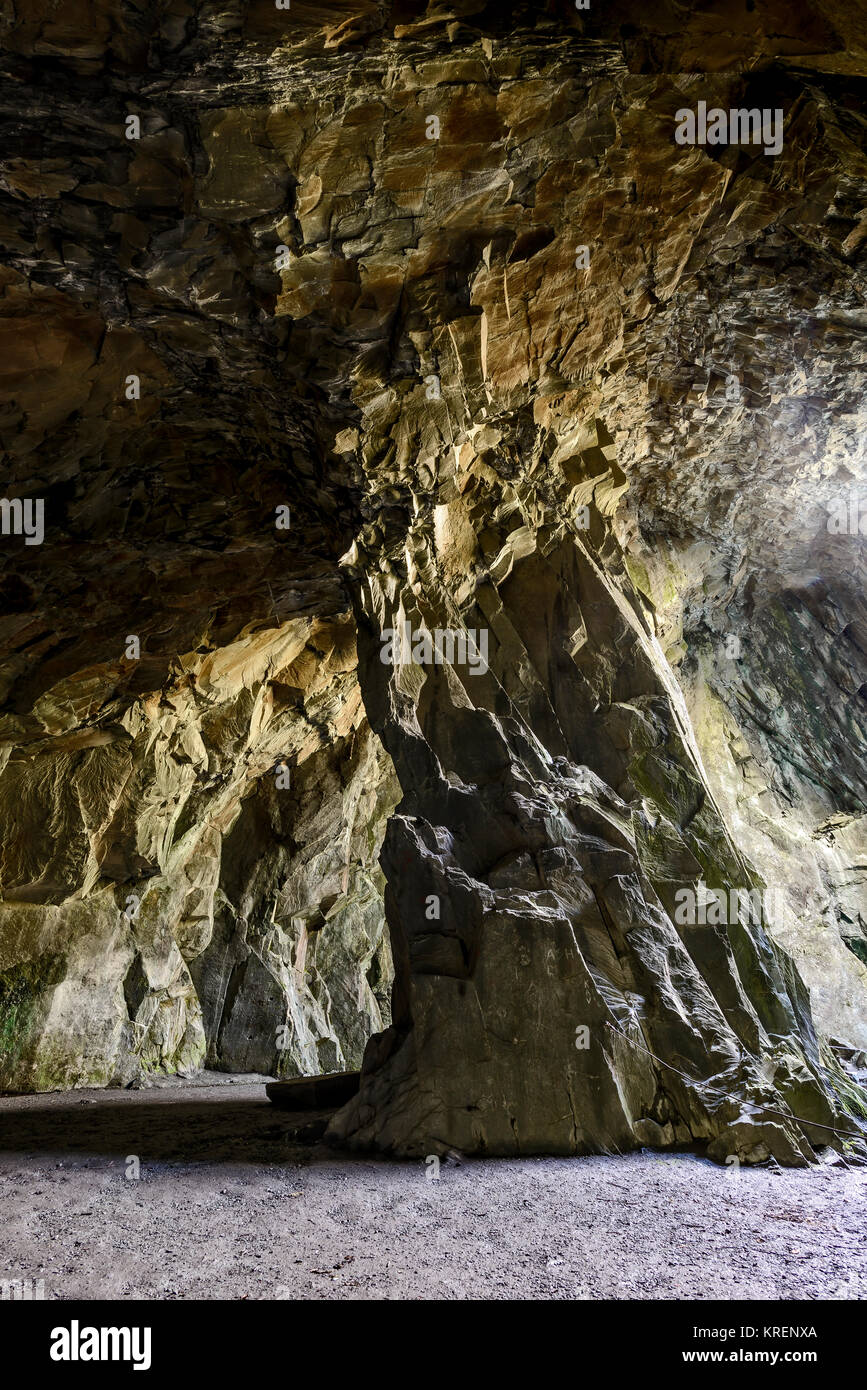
<point>434,640</point>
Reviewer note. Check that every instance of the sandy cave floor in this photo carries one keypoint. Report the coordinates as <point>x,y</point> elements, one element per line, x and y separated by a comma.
<point>225,1207</point>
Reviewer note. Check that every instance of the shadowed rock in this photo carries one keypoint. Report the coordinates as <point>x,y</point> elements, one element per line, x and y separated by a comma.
<point>313,1092</point>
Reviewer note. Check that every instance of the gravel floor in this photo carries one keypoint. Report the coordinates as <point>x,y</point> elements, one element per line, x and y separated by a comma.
<point>225,1207</point>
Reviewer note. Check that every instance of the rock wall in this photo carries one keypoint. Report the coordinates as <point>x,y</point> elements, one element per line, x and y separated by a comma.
<point>195,880</point>
<point>774,687</point>
<point>548,996</point>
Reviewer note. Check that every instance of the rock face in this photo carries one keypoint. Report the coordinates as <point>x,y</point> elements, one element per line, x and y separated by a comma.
<point>441,464</point>
<point>554,809</point>
<point>194,877</point>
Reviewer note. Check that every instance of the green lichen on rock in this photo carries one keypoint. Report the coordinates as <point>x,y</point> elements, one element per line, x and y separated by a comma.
<point>25,994</point>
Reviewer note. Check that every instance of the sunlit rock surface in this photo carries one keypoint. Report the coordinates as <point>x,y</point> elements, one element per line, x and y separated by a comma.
<point>196,878</point>
<point>397,315</point>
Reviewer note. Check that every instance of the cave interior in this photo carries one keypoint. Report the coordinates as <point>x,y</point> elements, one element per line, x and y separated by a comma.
<point>433,642</point>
